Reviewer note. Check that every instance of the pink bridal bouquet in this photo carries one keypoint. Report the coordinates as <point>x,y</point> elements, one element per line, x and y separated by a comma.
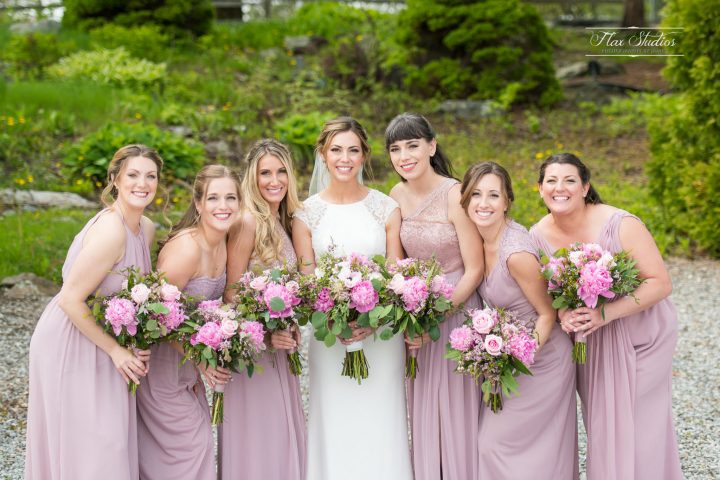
<point>420,296</point>
<point>146,311</point>
<point>345,290</point>
<point>216,336</point>
<point>586,275</point>
<point>492,344</point>
<point>271,297</point>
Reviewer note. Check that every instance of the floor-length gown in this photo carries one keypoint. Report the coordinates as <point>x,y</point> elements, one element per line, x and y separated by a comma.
<point>444,406</point>
<point>355,432</point>
<point>625,386</point>
<point>81,418</point>
<point>263,435</point>
<point>535,433</point>
<point>174,434</point>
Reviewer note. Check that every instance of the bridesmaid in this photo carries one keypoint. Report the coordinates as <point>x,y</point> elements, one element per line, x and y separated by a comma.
<point>443,405</point>
<point>625,386</point>
<point>264,413</point>
<point>174,434</point>
<point>81,419</point>
<point>540,423</point>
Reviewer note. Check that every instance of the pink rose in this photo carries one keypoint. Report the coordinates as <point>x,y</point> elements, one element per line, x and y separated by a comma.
<point>169,292</point>
<point>483,320</point>
<point>493,345</point>
<point>461,338</point>
<point>140,293</point>
<point>228,328</point>
<point>292,286</point>
<point>259,283</point>
<point>397,283</point>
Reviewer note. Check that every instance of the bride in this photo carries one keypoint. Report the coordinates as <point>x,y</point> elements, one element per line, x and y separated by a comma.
<point>354,431</point>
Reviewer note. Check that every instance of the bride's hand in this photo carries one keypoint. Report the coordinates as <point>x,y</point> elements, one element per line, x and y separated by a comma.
<point>358,334</point>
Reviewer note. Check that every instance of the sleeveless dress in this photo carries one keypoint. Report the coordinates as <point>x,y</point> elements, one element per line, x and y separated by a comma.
<point>535,433</point>
<point>263,433</point>
<point>444,406</point>
<point>355,432</point>
<point>175,438</point>
<point>625,386</point>
<point>81,421</point>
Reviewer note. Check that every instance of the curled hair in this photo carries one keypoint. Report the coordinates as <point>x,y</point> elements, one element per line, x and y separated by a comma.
<point>592,197</point>
<point>117,164</point>
<point>268,240</point>
<point>479,170</point>
<point>409,126</point>
<point>191,218</point>
<point>342,125</point>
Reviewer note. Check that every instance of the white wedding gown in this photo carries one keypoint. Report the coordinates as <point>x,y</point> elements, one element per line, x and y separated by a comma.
<point>355,432</point>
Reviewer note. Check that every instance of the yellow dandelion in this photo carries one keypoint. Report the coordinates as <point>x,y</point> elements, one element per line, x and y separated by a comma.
<point>78,182</point>
<point>98,184</point>
<point>138,115</point>
<point>30,179</point>
<point>293,62</point>
<point>21,120</point>
<point>359,38</point>
<point>175,199</point>
<point>539,155</point>
<point>20,181</point>
<point>158,201</point>
<point>10,121</point>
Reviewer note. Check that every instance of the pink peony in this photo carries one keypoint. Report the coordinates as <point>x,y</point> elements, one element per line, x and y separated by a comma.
<point>397,283</point>
<point>557,266</point>
<point>522,346</point>
<point>140,293</point>
<point>275,290</point>
<point>493,345</point>
<point>256,333</point>
<point>349,278</point>
<point>461,338</point>
<point>592,251</point>
<point>483,320</point>
<point>414,294</point>
<point>169,292</point>
<point>259,283</point>
<point>594,281</point>
<point>441,286</point>
<point>209,334</point>
<point>121,312</point>
<point>174,317</point>
<point>363,297</point>
<point>324,301</point>
<point>228,328</point>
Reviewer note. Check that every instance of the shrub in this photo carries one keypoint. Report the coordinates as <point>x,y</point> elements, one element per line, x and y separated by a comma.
<point>299,132</point>
<point>29,55</point>
<point>684,128</point>
<point>110,67</point>
<point>487,49</point>
<point>177,17</point>
<point>89,157</point>
<point>144,41</point>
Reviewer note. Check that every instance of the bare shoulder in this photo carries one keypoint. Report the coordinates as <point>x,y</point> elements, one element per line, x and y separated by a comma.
<point>398,192</point>
<point>108,228</point>
<point>182,248</point>
<point>245,223</point>
<point>148,226</point>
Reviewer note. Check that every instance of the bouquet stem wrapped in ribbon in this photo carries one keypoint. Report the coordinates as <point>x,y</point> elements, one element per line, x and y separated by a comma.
<point>586,275</point>
<point>146,311</point>
<point>492,344</point>
<point>216,336</point>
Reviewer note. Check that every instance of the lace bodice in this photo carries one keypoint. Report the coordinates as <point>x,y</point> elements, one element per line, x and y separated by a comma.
<point>500,289</point>
<point>427,231</point>
<point>353,227</point>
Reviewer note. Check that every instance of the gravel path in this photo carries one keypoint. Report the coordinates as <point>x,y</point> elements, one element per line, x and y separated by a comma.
<point>696,378</point>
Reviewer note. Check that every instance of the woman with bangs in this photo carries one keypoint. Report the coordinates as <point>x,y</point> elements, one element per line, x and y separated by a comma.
<point>263,432</point>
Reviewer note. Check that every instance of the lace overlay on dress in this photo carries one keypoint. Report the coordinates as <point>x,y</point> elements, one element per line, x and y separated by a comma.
<point>378,204</point>
<point>515,239</point>
<point>430,220</point>
<point>312,212</point>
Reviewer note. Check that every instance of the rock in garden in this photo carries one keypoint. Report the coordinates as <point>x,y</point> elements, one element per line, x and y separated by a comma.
<point>303,44</point>
<point>468,108</point>
<point>580,69</point>
<point>35,198</point>
<point>42,285</point>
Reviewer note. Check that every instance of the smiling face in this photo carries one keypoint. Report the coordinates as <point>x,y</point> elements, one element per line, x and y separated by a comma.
<point>137,182</point>
<point>344,157</point>
<point>411,158</point>
<point>488,201</point>
<point>562,189</point>
<point>272,180</point>
<point>220,204</point>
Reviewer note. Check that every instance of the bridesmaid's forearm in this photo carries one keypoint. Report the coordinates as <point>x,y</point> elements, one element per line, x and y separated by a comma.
<point>648,294</point>
<point>83,319</point>
<point>466,286</point>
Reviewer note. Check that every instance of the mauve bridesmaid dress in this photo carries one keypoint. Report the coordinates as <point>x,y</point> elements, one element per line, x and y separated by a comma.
<point>174,434</point>
<point>625,387</point>
<point>535,433</point>
<point>444,406</point>
<point>81,420</point>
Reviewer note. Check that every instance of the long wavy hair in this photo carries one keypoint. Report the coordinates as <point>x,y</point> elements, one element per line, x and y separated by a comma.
<point>191,218</point>
<point>118,162</point>
<point>409,126</point>
<point>268,240</point>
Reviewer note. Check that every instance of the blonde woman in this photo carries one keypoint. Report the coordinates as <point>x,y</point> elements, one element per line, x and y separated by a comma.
<point>81,419</point>
<point>174,434</point>
<point>263,432</point>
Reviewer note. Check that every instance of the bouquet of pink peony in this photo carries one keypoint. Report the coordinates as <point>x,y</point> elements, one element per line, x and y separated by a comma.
<point>269,297</point>
<point>345,290</point>
<point>146,311</point>
<point>492,344</point>
<point>586,275</point>
<point>216,336</point>
<point>420,296</point>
